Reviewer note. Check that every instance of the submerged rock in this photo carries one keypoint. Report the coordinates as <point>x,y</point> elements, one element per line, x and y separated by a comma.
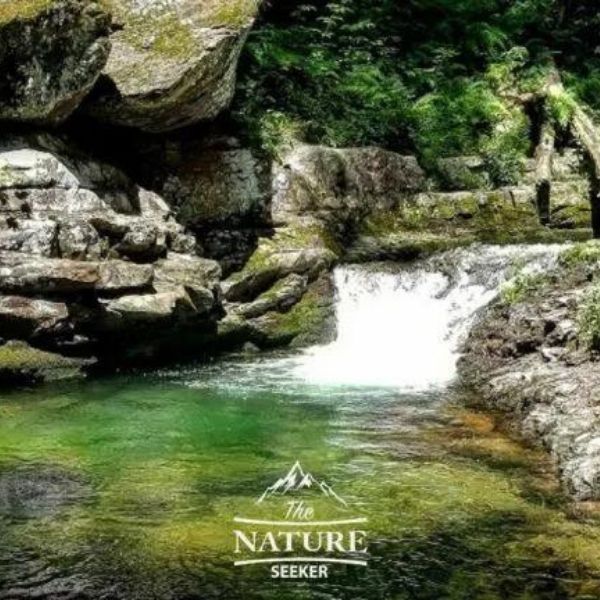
<point>51,54</point>
<point>172,63</point>
<point>35,491</point>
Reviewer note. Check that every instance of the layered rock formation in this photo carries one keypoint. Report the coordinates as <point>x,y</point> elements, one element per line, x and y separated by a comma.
<point>218,189</point>
<point>173,63</point>
<point>51,54</point>
<point>88,259</point>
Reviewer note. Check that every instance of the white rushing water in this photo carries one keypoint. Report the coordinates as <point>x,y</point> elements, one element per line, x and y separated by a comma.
<point>402,326</point>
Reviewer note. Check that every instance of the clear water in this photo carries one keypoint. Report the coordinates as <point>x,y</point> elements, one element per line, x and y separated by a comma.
<point>127,488</point>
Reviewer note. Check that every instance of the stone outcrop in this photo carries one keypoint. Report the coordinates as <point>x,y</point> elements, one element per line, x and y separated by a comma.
<point>527,357</point>
<point>380,206</point>
<point>218,189</point>
<point>92,264</point>
<point>341,187</point>
<point>86,256</point>
<point>51,54</point>
<point>20,364</point>
<point>172,63</point>
<point>284,292</point>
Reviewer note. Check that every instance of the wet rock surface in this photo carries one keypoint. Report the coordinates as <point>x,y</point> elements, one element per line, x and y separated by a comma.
<point>526,357</point>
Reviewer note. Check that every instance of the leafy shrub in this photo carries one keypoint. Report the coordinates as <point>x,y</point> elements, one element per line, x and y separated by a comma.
<point>522,285</point>
<point>588,318</point>
<point>587,253</point>
<point>428,76</point>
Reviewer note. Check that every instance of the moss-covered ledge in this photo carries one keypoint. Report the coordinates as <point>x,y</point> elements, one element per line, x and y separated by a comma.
<point>22,364</point>
<point>11,10</point>
<point>436,221</point>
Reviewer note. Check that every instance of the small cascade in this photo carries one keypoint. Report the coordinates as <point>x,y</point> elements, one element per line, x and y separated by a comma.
<point>402,325</point>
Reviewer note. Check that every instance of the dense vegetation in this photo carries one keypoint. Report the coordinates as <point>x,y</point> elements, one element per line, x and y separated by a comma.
<point>430,76</point>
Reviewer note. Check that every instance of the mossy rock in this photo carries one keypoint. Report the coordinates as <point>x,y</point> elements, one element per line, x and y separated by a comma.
<point>20,363</point>
<point>310,321</point>
<point>439,221</point>
<point>11,10</point>
<point>172,64</point>
<point>52,52</point>
<point>297,249</point>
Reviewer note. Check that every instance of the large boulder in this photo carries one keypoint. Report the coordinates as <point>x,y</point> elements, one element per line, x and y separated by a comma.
<point>217,186</point>
<point>173,63</point>
<point>51,54</point>
<point>341,186</point>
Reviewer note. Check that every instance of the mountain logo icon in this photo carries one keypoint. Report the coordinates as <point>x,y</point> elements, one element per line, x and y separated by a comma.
<point>297,480</point>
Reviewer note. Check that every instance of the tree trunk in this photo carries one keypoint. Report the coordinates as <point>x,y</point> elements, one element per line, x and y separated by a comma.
<point>588,135</point>
<point>543,171</point>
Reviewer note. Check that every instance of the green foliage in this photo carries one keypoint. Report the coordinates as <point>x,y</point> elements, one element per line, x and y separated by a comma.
<point>276,131</point>
<point>561,107</point>
<point>449,122</point>
<point>586,87</point>
<point>342,93</point>
<point>504,150</point>
<point>587,253</point>
<point>521,286</point>
<point>428,76</point>
<point>588,318</point>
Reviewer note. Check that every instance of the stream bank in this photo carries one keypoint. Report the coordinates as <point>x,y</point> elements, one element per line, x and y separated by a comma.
<point>533,355</point>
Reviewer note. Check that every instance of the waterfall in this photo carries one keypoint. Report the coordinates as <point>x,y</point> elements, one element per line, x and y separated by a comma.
<point>402,326</point>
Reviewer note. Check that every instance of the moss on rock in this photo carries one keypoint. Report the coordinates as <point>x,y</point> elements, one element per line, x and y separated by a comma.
<point>173,63</point>
<point>22,9</point>
<point>296,249</point>
<point>310,321</point>
<point>20,363</point>
<point>439,221</point>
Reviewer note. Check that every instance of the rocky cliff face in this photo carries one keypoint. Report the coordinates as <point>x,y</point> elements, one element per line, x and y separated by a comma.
<point>196,244</point>
<point>88,259</point>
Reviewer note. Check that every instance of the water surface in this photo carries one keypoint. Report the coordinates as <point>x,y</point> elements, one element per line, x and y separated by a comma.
<point>127,487</point>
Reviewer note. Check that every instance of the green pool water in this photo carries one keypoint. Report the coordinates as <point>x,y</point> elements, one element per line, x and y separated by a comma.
<point>128,488</point>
